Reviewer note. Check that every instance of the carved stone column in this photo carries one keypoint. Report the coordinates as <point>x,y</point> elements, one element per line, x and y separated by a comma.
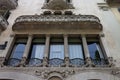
<point>86,51</point>
<point>27,49</point>
<point>106,51</point>
<point>46,52</point>
<point>66,52</point>
<point>6,53</point>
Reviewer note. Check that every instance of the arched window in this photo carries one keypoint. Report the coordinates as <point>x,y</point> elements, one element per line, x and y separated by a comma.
<point>55,78</point>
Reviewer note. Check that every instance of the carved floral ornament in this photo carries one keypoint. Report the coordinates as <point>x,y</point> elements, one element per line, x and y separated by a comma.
<point>46,74</point>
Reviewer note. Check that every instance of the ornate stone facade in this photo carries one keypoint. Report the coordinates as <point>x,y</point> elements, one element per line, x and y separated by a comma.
<point>72,22</point>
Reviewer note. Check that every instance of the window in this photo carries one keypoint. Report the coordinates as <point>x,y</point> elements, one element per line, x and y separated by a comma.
<point>37,52</point>
<point>76,51</point>
<point>56,56</point>
<point>17,52</point>
<point>96,52</point>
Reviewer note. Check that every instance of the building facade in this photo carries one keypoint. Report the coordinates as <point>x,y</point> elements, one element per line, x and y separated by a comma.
<point>59,40</point>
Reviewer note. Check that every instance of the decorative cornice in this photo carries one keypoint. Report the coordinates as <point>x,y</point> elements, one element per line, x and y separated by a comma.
<point>89,22</point>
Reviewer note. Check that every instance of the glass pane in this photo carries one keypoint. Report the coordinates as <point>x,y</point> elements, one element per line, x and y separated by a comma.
<point>75,51</point>
<point>18,51</point>
<point>56,51</point>
<point>95,51</point>
<point>38,51</point>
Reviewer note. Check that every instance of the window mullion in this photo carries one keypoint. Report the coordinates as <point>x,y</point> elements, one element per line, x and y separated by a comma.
<point>8,49</point>
<point>46,50</point>
<point>86,51</point>
<point>106,52</point>
<point>66,53</point>
<point>27,49</point>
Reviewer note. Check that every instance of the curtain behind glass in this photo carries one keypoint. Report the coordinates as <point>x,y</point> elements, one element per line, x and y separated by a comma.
<point>38,51</point>
<point>18,51</point>
<point>75,51</point>
<point>56,51</point>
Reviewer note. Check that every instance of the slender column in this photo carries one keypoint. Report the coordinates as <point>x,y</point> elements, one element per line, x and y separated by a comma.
<point>86,51</point>
<point>105,50</point>
<point>46,52</point>
<point>27,49</point>
<point>66,52</point>
<point>7,52</point>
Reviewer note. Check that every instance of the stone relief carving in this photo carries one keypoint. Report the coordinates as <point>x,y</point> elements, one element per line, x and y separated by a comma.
<point>46,73</point>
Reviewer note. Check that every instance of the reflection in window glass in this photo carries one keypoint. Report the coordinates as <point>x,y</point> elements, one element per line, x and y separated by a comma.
<point>37,52</point>
<point>76,52</point>
<point>96,53</point>
<point>56,55</point>
<point>17,52</point>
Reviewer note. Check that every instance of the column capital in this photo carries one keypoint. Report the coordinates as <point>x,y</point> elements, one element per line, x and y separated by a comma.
<point>89,63</point>
<point>2,59</point>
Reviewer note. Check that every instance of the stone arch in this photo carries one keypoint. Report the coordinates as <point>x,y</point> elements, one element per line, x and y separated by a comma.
<point>93,76</point>
<point>54,78</point>
<point>17,76</point>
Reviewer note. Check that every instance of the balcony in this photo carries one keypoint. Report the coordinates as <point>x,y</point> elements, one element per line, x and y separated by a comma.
<point>43,22</point>
<point>8,4</point>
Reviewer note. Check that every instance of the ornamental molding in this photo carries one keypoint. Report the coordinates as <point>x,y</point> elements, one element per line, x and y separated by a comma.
<point>8,4</point>
<point>39,22</point>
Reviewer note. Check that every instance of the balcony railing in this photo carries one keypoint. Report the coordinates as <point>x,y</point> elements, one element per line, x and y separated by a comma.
<point>100,62</point>
<point>35,62</point>
<point>55,18</point>
<point>13,62</point>
<point>77,62</point>
<point>56,62</point>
